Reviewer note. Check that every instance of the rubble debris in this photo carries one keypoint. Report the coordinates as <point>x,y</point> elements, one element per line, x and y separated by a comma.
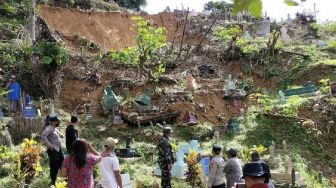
<point>206,71</point>
<point>168,116</point>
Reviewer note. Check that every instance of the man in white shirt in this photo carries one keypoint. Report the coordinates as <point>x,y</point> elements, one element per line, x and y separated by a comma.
<point>109,166</point>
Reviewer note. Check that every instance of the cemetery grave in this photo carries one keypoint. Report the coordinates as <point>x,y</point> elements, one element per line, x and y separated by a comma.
<point>216,77</point>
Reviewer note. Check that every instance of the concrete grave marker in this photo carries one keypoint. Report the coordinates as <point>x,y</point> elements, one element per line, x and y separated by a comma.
<point>282,99</point>
<point>216,135</point>
<point>195,145</point>
<point>288,164</point>
<point>231,86</point>
<point>284,35</point>
<point>284,145</point>
<point>179,167</point>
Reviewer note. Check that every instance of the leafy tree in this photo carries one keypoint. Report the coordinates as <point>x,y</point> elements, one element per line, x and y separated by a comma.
<point>131,4</point>
<point>218,6</point>
<point>149,41</point>
<point>255,6</point>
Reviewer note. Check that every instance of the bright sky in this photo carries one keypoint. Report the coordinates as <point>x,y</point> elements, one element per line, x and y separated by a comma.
<point>275,8</point>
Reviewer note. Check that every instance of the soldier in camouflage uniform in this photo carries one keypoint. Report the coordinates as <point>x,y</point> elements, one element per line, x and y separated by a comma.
<point>166,158</point>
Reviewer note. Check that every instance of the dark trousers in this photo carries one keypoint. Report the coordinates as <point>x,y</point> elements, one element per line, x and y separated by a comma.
<point>165,177</point>
<point>219,186</point>
<point>55,162</point>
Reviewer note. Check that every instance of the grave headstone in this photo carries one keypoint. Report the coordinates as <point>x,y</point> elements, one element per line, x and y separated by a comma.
<point>284,145</point>
<point>179,168</point>
<point>216,135</point>
<point>109,100</point>
<point>247,34</point>
<point>190,118</point>
<point>284,35</point>
<point>273,143</point>
<point>27,100</point>
<point>87,112</point>
<point>157,171</point>
<point>126,180</point>
<point>321,43</point>
<point>117,120</point>
<point>288,164</point>
<point>282,99</point>
<point>28,110</point>
<point>231,86</point>
<point>261,28</point>
<point>233,126</point>
<point>239,17</point>
<point>195,145</point>
<point>184,147</point>
<point>205,162</point>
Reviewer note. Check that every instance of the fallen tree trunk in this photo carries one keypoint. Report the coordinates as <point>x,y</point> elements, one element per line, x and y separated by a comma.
<point>293,53</point>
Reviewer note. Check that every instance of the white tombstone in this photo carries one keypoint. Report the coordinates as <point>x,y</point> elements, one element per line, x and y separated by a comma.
<point>126,180</point>
<point>239,17</point>
<point>157,171</point>
<point>179,168</point>
<point>284,35</point>
<point>230,84</point>
<point>284,145</point>
<point>216,135</point>
<point>247,34</point>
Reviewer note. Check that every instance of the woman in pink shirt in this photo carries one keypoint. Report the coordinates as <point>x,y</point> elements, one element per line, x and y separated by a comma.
<point>78,167</point>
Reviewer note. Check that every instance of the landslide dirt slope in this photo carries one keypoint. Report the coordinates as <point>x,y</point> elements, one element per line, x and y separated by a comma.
<point>109,30</point>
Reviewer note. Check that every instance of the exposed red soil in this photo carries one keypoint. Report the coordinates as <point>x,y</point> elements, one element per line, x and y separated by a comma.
<point>109,30</point>
<point>314,74</point>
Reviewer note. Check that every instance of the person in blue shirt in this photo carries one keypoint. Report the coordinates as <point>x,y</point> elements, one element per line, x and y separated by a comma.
<point>14,95</point>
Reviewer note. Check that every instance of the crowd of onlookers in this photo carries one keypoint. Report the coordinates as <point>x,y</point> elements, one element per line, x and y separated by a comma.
<point>255,174</point>
<point>81,157</point>
<point>252,175</point>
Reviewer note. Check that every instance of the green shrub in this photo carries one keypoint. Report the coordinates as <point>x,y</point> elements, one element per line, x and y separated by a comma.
<point>8,182</point>
<point>7,9</point>
<point>227,33</point>
<point>292,105</point>
<point>331,47</point>
<point>52,54</point>
<point>325,29</point>
<point>41,181</point>
<point>16,52</point>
